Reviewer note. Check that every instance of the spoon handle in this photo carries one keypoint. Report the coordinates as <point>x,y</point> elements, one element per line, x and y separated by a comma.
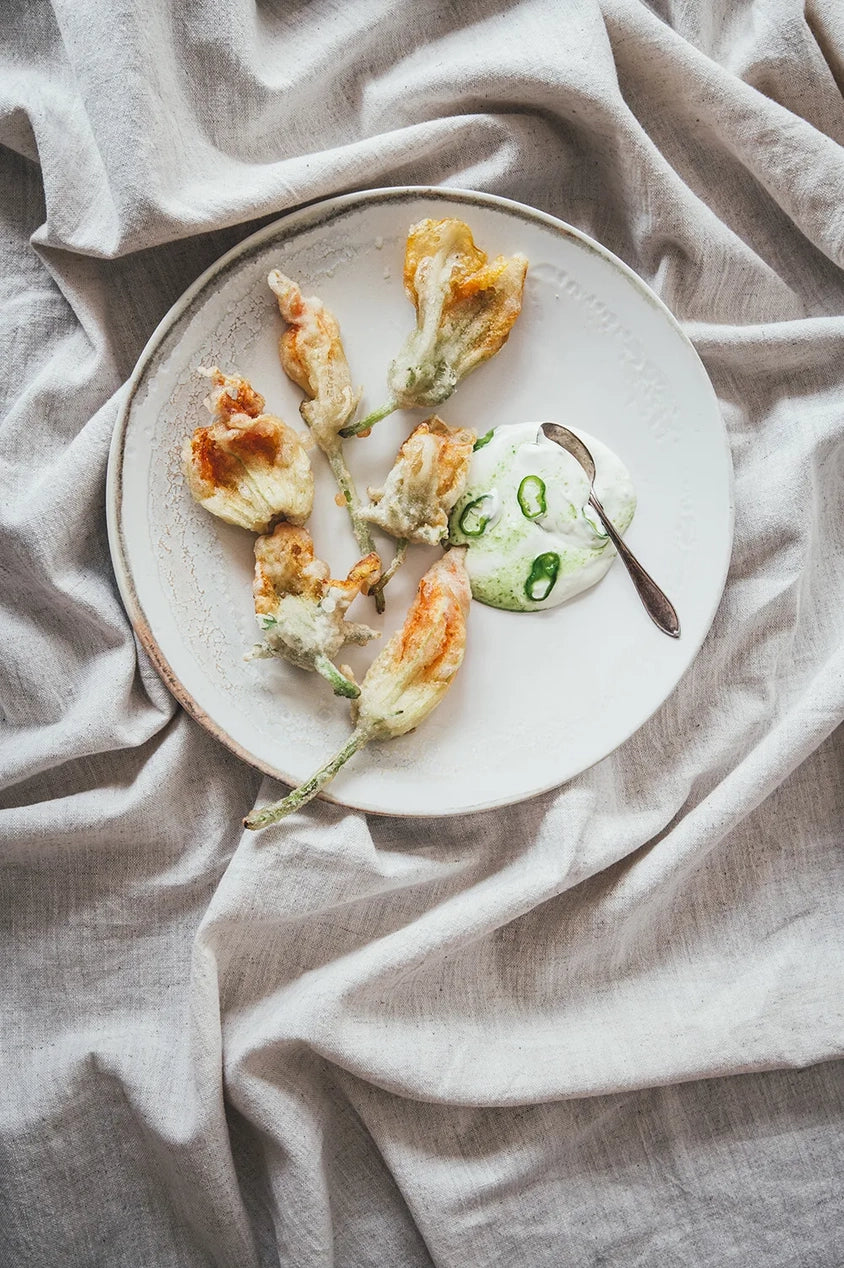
<point>657,604</point>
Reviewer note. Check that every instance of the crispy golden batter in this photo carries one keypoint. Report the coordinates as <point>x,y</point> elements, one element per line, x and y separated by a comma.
<point>230,395</point>
<point>285,563</point>
<point>428,477</point>
<point>312,355</point>
<point>465,305</point>
<point>410,676</point>
<point>247,467</point>
<point>301,608</point>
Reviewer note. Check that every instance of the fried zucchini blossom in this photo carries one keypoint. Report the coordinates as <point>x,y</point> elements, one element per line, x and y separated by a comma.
<point>407,679</point>
<point>247,467</point>
<point>301,608</point>
<point>427,479</point>
<point>312,355</point>
<point>465,306</point>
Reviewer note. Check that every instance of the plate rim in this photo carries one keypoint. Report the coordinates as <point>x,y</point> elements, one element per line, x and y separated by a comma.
<point>309,213</point>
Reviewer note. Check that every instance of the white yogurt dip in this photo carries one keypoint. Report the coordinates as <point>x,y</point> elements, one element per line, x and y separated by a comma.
<point>533,542</point>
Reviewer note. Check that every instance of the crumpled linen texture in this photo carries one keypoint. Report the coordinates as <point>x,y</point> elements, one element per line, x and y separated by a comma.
<point>599,1027</point>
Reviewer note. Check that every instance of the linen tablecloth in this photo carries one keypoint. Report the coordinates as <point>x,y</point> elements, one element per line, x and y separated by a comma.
<point>599,1027</point>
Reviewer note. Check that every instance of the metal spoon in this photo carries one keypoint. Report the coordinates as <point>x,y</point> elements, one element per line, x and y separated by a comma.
<point>657,605</point>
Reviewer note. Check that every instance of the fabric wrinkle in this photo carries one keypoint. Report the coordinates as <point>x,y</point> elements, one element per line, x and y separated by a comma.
<point>602,1026</point>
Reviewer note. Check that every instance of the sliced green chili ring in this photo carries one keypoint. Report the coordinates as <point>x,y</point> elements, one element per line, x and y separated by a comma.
<point>596,526</point>
<point>472,520</point>
<point>542,577</point>
<point>483,440</point>
<point>531,497</point>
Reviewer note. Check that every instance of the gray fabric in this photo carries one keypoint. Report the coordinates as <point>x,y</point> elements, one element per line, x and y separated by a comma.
<point>600,1027</point>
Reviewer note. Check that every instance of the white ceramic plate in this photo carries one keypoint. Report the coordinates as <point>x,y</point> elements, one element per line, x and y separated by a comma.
<point>541,696</point>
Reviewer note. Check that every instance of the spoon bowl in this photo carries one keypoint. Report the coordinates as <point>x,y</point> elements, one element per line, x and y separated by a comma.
<point>657,604</point>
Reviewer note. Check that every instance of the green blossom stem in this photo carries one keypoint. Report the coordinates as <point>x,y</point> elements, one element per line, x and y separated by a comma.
<point>305,792</point>
<point>396,563</point>
<point>342,685</point>
<point>360,528</point>
<point>364,424</point>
